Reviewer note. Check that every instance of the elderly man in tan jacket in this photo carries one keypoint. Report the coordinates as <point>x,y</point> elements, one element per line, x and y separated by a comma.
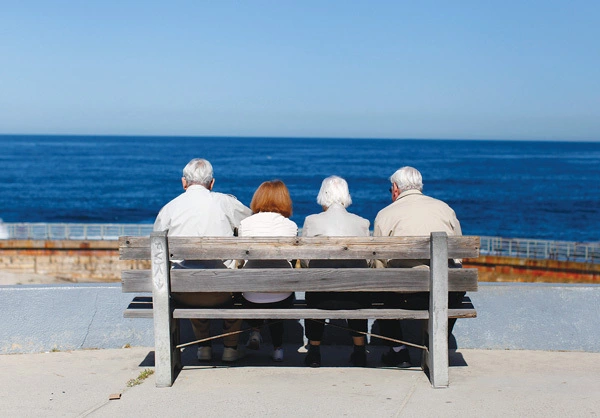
<point>411,213</point>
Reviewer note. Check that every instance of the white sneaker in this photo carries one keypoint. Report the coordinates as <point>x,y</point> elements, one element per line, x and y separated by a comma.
<point>278,354</point>
<point>204,353</point>
<point>254,341</point>
<point>232,354</point>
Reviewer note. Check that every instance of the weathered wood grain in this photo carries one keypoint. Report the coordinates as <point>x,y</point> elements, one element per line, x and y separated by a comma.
<point>136,281</point>
<point>209,248</point>
<point>437,355</point>
<point>302,280</point>
<point>309,313</point>
<point>298,280</point>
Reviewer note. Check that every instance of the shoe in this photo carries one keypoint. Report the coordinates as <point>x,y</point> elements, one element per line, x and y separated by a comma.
<point>358,358</point>
<point>399,359</point>
<point>313,357</point>
<point>278,354</point>
<point>231,354</point>
<point>254,341</point>
<point>205,353</point>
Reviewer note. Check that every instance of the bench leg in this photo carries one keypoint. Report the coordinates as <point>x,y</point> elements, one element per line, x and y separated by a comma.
<point>437,357</point>
<point>165,327</point>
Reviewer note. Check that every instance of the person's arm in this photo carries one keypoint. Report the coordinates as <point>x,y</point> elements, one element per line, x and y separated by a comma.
<point>378,233</point>
<point>162,221</point>
<point>455,224</point>
<point>305,230</point>
<point>235,211</point>
<point>458,232</point>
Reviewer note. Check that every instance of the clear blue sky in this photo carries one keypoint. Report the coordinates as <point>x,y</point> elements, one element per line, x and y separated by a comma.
<point>387,69</point>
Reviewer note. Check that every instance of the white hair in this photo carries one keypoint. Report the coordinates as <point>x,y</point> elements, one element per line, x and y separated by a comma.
<point>198,171</point>
<point>334,189</point>
<point>407,178</point>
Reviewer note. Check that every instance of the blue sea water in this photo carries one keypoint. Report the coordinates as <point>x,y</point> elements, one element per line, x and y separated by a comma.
<point>544,190</point>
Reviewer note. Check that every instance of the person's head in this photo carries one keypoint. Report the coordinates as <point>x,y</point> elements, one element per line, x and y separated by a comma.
<point>406,178</point>
<point>272,196</point>
<point>198,171</point>
<point>334,189</point>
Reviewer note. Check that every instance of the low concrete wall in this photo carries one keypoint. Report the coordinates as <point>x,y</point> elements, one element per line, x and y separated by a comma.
<point>512,269</point>
<point>510,316</point>
<point>68,260</point>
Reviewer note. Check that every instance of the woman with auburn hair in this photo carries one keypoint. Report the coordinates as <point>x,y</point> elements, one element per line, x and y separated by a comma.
<point>272,206</point>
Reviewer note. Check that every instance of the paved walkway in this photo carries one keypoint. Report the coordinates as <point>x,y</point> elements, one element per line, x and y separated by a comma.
<point>482,384</point>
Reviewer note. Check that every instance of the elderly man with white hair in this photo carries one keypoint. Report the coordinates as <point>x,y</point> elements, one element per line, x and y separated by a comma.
<point>411,213</point>
<point>200,212</point>
<point>335,221</point>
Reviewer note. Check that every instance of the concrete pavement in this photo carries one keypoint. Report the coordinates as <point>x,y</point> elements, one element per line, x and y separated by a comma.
<point>483,383</point>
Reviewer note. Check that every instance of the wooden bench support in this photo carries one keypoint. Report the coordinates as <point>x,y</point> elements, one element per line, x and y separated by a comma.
<point>166,356</point>
<point>437,356</point>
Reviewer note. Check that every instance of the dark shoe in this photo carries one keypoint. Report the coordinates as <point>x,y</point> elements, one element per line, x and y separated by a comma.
<point>313,357</point>
<point>358,358</point>
<point>400,359</point>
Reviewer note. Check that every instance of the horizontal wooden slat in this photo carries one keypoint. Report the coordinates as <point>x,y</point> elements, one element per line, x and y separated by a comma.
<point>238,248</point>
<point>141,307</point>
<point>134,248</point>
<point>136,281</point>
<point>302,280</point>
<point>309,313</point>
<point>299,280</point>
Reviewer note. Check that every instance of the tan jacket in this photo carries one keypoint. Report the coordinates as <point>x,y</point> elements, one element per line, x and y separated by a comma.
<point>414,214</point>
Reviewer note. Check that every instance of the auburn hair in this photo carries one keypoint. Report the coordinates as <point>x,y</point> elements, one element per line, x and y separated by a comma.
<point>272,196</point>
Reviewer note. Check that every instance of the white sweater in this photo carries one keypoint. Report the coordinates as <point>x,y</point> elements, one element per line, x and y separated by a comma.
<point>267,224</point>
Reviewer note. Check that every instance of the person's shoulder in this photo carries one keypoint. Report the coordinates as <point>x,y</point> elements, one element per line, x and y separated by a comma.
<point>386,210</point>
<point>314,217</point>
<point>437,201</point>
<point>358,219</point>
<point>223,196</point>
<point>226,200</point>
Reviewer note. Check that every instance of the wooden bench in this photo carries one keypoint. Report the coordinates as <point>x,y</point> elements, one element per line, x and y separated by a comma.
<point>161,280</point>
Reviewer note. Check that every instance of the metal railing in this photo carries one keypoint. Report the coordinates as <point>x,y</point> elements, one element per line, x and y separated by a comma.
<point>67,231</point>
<point>505,247</point>
<point>583,252</point>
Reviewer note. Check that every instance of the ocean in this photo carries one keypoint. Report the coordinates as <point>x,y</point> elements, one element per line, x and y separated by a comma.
<point>512,189</point>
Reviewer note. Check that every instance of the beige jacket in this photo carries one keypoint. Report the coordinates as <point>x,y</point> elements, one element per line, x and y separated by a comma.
<point>414,214</point>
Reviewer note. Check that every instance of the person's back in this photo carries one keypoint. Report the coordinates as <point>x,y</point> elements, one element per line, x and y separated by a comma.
<point>414,214</point>
<point>335,221</point>
<point>411,213</point>
<point>200,212</point>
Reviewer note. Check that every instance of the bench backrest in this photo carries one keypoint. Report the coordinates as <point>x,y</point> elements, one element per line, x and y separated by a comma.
<point>437,248</point>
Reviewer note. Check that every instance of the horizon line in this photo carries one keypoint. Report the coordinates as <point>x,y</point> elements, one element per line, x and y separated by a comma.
<point>300,137</point>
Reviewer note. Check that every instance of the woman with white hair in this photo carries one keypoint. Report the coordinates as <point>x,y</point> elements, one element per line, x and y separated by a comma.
<point>335,221</point>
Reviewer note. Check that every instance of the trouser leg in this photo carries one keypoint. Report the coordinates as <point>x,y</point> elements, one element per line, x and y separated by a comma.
<point>391,328</point>
<point>255,323</point>
<point>231,325</point>
<point>314,329</point>
<point>276,329</point>
<point>201,328</point>
<point>357,325</point>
